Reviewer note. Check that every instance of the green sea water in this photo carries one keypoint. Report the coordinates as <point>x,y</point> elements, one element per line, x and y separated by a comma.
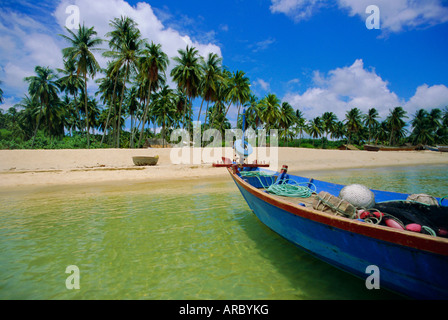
<point>178,240</point>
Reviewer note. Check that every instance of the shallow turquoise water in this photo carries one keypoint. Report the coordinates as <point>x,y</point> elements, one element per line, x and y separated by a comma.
<point>185,240</point>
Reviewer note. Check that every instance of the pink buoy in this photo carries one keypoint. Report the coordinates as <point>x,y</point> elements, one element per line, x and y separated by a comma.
<point>364,214</point>
<point>393,224</point>
<point>442,232</point>
<point>414,227</point>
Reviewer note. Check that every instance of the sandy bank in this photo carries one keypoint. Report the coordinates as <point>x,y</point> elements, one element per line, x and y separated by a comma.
<point>54,167</point>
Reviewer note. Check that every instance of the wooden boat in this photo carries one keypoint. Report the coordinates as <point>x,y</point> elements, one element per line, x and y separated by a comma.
<point>431,148</point>
<point>438,148</point>
<point>370,147</point>
<point>410,263</point>
<point>226,163</point>
<point>348,147</point>
<point>145,161</point>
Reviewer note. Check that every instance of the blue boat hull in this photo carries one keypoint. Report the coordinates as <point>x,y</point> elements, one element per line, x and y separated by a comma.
<point>353,246</point>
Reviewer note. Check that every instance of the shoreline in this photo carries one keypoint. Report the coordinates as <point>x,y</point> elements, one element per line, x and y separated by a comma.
<point>36,168</point>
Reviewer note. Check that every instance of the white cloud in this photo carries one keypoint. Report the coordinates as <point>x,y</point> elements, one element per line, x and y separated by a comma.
<point>296,9</point>
<point>345,88</point>
<point>401,14</point>
<point>427,97</point>
<point>262,45</point>
<point>24,43</point>
<point>260,83</point>
<point>395,15</point>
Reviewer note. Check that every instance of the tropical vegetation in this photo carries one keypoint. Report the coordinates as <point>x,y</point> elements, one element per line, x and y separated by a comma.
<point>133,101</point>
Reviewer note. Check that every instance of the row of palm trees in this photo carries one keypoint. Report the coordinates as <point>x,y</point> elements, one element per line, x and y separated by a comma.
<point>134,86</point>
<point>427,127</point>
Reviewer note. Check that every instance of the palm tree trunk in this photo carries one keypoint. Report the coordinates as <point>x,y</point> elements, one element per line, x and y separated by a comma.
<point>206,115</point>
<point>228,110</point>
<point>110,109</point>
<point>78,110</point>
<point>131,140</point>
<point>163,132</point>
<point>145,114</point>
<point>121,103</point>
<point>200,110</point>
<point>87,112</point>
<point>37,126</point>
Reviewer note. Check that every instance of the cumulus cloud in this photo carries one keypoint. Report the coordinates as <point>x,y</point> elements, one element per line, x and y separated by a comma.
<point>395,15</point>
<point>398,15</point>
<point>428,97</point>
<point>345,88</point>
<point>355,86</point>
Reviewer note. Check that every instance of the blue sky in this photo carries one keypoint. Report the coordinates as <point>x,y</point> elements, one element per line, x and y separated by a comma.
<point>316,54</point>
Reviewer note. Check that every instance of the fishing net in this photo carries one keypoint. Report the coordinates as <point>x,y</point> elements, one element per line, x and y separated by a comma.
<point>433,217</point>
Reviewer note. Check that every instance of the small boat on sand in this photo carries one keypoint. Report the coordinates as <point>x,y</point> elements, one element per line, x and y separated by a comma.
<point>370,147</point>
<point>145,161</point>
<point>403,236</point>
<point>226,163</point>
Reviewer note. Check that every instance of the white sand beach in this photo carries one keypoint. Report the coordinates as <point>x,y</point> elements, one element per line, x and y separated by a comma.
<point>61,167</point>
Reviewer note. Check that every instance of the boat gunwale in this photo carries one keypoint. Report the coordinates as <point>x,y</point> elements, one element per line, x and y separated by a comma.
<point>418,241</point>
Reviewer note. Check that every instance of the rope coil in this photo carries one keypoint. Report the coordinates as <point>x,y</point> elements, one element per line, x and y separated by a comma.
<point>285,188</point>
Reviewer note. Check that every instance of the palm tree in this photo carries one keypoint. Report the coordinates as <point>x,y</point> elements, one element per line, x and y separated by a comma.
<point>420,132</point>
<point>300,124</point>
<point>287,118</point>
<point>238,90</point>
<point>271,110</point>
<point>211,70</point>
<point>396,124</point>
<point>187,74</point>
<point>370,121</point>
<point>221,97</point>
<point>27,118</point>
<point>219,122</point>
<point>71,83</point>
<point>435,118</point>
<point>132,105</point>
<point>81,52</point>
<point>353,122</point>
<point>339,130</point>
<point>253,112</point>
<point>445,117</point>
<point>43,88</point>
<point>71,115</point>
<point>164,108</point>
<point>315,128</point>
<point>108,86</point>
<point>125,43</point>
<point>329,120</point>
<point>442,133</point>
<point>152,62</point>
